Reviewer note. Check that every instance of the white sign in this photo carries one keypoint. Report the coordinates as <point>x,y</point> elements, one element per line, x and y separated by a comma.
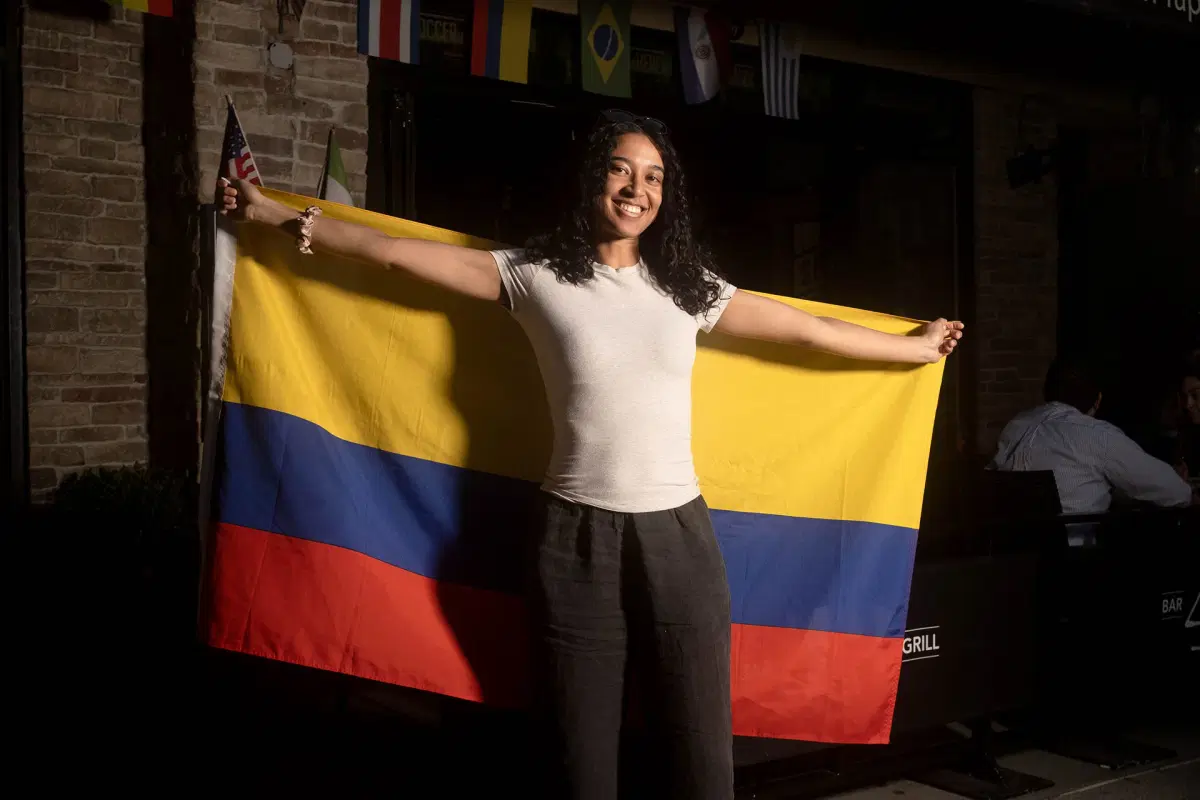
<point>921,644</point>
<point>1172,605</point>
<point>1189,7</point>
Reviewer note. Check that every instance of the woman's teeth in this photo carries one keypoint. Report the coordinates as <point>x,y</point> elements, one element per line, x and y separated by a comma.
<point>631,210</point>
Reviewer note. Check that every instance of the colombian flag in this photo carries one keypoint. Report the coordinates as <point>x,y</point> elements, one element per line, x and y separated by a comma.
<point>161,8</point>
<point>500,32</point>
<point>381,443</point>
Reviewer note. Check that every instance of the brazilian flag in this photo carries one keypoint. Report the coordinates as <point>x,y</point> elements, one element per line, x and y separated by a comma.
<point>604,27</point>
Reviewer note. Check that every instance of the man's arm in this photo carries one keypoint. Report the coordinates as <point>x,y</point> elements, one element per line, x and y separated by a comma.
<point>752,316</point>
<point>1140,476</point>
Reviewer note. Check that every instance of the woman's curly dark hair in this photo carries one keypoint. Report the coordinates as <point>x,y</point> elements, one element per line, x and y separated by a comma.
<point>680,266</point>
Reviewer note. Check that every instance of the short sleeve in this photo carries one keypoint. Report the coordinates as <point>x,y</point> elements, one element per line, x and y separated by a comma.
<point>516,275</point>
<point>707,320</point>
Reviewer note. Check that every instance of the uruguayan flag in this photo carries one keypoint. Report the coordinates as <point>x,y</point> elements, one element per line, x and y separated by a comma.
<point>780,46</point>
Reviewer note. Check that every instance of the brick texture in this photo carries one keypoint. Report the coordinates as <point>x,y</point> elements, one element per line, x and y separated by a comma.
<point>286,112</point>
<point>85,230</point>
<point>1016,262</point>
<point>86,217</point>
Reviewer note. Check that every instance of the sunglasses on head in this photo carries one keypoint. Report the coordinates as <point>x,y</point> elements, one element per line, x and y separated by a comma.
<point>648,124</point>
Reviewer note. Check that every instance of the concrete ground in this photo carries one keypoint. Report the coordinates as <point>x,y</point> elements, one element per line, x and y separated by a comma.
<point>1177,779</point>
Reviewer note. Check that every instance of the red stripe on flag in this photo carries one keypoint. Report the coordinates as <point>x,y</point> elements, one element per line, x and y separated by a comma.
<point>162,8</point>
<point>389,28</point>
<point>814,685</point>
<point>479,38</point>
<point>336,609</point>
<point>331,608</point>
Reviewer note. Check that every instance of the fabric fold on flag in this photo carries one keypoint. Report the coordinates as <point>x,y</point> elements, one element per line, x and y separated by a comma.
<point>604,47</point>
<point>334,186</point>
<point>367,419</point>
<point>390,29</point>
<point>780,48</point>
<point>500,39</point>
<point>236,159</point>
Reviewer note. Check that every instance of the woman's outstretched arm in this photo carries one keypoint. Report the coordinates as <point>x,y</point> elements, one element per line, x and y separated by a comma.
<point>460,269</point>
<point>751,316</point>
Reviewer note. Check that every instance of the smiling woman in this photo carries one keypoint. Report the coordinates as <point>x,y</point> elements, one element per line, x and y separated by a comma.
<point>627,571</point>
<point>631,176</point>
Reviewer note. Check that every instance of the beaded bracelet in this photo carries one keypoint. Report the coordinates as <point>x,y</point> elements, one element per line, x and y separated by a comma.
<point>306,221</point>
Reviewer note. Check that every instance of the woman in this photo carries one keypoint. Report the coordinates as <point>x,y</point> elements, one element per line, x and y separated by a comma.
<point>628,572</point>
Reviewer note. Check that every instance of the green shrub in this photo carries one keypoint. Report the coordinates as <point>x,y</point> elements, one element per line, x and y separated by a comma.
<point>125,541</point>
<point>141,502</point>
<point>128,520</point>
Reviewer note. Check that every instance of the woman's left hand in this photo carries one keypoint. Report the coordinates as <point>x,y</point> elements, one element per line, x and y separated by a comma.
<point>941,337</point>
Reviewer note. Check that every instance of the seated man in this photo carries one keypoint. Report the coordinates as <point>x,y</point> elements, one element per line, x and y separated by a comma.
<point>1089,458</point>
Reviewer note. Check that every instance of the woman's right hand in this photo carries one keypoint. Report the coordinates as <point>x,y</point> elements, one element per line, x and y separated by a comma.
<point>238,199</point>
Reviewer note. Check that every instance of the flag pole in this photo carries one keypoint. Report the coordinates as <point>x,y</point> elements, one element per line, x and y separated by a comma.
<point>229,100</point>
<point>325,167</point>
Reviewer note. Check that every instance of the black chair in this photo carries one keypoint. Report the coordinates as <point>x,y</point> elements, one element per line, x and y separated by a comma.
<point>1017,511</point>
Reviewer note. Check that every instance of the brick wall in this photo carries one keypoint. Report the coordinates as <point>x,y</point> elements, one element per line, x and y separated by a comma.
<point>86,220</point>
<point>1016,261</point>
<point>84,242</point>
<point>86,208</point>
<point>286,112</point>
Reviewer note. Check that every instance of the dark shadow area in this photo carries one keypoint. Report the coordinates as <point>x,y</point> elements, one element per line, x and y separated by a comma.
<point>172,238</point>
<point>96,10</point>
<point>14,433</point>
<point>1069,647</point>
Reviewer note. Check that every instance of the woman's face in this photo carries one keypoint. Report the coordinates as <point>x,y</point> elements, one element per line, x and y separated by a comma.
<point>633,191</point>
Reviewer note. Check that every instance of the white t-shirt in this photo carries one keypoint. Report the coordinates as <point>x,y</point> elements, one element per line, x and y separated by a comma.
<point>616,357</point>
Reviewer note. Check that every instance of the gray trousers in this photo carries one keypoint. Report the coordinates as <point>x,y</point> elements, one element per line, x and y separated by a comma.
<point>641,601</point>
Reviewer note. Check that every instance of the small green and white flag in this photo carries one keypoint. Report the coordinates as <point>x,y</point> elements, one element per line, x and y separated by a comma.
<point>333,180</point>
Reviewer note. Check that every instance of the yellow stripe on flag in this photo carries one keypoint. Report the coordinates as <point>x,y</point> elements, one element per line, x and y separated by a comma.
<point>378,359</point>
<point>514,41</point>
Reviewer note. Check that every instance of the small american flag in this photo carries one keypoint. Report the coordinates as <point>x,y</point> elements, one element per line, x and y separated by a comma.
<point>236,159</point>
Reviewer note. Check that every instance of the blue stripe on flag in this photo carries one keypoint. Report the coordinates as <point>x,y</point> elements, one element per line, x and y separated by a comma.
<point>495,23</point>
<point>286,475</point>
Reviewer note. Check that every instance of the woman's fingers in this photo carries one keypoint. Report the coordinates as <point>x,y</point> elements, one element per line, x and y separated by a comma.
<point>228,196</point>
